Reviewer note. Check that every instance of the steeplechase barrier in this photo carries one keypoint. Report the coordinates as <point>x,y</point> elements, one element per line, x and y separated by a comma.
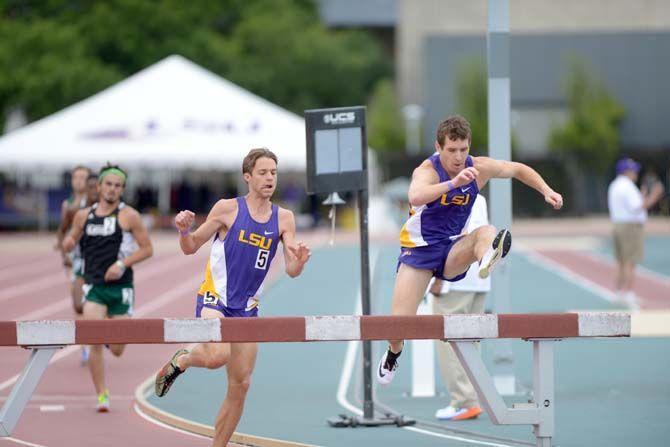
<point>45,337</point>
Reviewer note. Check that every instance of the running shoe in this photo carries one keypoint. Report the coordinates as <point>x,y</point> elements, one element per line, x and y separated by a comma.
<point>168,374</point>
<point>499,249</point>
<point>103,402</point>
<point>457,414</point>
<point>386,369</point>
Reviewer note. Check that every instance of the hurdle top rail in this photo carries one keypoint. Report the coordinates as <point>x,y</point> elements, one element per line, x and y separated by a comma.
<point>314,328</point>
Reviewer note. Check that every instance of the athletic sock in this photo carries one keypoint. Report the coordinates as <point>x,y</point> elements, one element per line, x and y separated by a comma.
<point>391,359</point>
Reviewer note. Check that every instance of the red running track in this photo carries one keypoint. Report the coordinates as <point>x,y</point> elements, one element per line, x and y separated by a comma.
<point>653,292</point>
<point>165,287</point>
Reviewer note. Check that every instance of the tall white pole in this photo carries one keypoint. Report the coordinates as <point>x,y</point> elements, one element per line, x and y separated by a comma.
<point>499,110</point>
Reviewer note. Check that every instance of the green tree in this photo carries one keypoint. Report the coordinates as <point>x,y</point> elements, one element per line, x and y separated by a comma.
<point>287,56</point>
<point>56,52</point>
<point>591,134</point>
<point>46,67</point>
<point>472,100</point>
<point>385,123</point>
<point>589,140</point>
<point>471,97</point>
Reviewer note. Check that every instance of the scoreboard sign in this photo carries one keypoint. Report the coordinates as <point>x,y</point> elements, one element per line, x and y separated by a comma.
<point>336,150</point>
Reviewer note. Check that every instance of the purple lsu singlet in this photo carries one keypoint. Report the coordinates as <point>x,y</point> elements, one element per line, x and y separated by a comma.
<point>239,263</point>
<point>442,218</point>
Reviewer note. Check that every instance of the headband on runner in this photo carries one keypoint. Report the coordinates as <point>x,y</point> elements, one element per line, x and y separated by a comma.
<point>116,171</point>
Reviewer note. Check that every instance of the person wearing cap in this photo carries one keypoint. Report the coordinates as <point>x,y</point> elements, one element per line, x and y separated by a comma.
<point>628,212</point>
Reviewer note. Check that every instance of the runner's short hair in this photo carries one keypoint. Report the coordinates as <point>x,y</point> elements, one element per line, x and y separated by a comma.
<point>81,168</point>
<point>252,157</point>
<point>455,128</point>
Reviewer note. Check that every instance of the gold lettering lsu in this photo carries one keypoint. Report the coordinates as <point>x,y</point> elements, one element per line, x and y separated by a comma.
<point>255,240</point>
<point>460,200</point>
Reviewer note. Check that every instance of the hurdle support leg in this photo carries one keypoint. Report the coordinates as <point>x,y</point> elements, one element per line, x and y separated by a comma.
<point>24,387</point>
<point>539,412</point>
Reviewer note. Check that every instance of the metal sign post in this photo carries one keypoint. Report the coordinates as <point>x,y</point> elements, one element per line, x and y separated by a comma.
<point>337,161</point>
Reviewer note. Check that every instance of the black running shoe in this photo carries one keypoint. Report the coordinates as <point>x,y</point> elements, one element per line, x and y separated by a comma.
<point>168,374</point>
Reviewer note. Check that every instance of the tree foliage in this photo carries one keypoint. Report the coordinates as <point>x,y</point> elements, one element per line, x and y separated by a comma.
<point>472,102</point>
<point>56,52</point>
<point>385,123</point>
<point>591,134</point>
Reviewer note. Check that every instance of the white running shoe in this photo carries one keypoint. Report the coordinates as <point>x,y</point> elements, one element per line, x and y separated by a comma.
<point>499,249</point>
<point>457,414</point>
<point>448,413</point>
<point>384,375</point>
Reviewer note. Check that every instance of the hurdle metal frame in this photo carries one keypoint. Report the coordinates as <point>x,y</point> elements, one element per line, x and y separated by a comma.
<point>44,338</point>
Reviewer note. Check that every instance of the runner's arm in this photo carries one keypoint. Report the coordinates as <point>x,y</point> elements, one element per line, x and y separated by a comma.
<point>425,186</point>
<point>70,241</point>
<point>491,168</point>
<point>191,242</point>
<point>65,221</point>
<point>297,254</point>
<point>139,231</point>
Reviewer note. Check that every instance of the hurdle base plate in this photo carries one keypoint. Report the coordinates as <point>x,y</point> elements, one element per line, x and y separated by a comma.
<point>343,420</point>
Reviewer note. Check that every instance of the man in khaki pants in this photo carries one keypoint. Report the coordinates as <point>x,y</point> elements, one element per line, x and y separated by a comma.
<point>462,297</point>
<point>628,207</point>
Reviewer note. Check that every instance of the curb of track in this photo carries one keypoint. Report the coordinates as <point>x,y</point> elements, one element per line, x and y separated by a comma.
<point>173,420</point>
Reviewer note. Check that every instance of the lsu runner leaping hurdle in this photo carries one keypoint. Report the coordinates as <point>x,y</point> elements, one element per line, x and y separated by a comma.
<point>441,195</point>
<point>246,232</point>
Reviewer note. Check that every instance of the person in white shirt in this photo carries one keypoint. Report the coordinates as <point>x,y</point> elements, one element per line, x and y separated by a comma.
<point>466,296</point>
<point>628,212</point>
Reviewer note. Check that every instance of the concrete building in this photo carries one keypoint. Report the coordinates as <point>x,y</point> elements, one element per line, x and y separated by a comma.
<point>625,43</point>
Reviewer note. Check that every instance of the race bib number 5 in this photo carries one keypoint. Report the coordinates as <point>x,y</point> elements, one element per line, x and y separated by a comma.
<point>262,259</point>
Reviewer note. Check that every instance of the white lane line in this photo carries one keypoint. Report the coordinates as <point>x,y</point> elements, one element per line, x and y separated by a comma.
<point>52,308</point>
<point>18,441</point>
<point>64,303</point>
<point>348,368</point>
<point>347,373</point>
<point>455,438</point>
<point>63,398</point>
<point>29,268</point>
<point>161,300</point>
<point>51,408</point>
<point>47,282</point>
<point>148,418</point>
<point>31,286</point>
<point>554,267</point>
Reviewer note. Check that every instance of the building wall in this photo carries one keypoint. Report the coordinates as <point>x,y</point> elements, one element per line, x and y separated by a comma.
<point>634,67</point>
<point>418,19</point>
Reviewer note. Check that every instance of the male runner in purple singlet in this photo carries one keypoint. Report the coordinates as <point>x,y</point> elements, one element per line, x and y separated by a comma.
<point>432,243</point>
<point>245,233</point>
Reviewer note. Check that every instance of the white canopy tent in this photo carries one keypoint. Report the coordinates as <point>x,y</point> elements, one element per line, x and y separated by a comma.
<point>173,114</point>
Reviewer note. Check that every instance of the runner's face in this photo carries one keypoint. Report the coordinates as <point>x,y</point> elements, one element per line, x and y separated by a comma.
<point>263,177</point>
<point>92,190</point>
<point>78,181</point>
<point>111,188</point>
<point>453,154</point>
